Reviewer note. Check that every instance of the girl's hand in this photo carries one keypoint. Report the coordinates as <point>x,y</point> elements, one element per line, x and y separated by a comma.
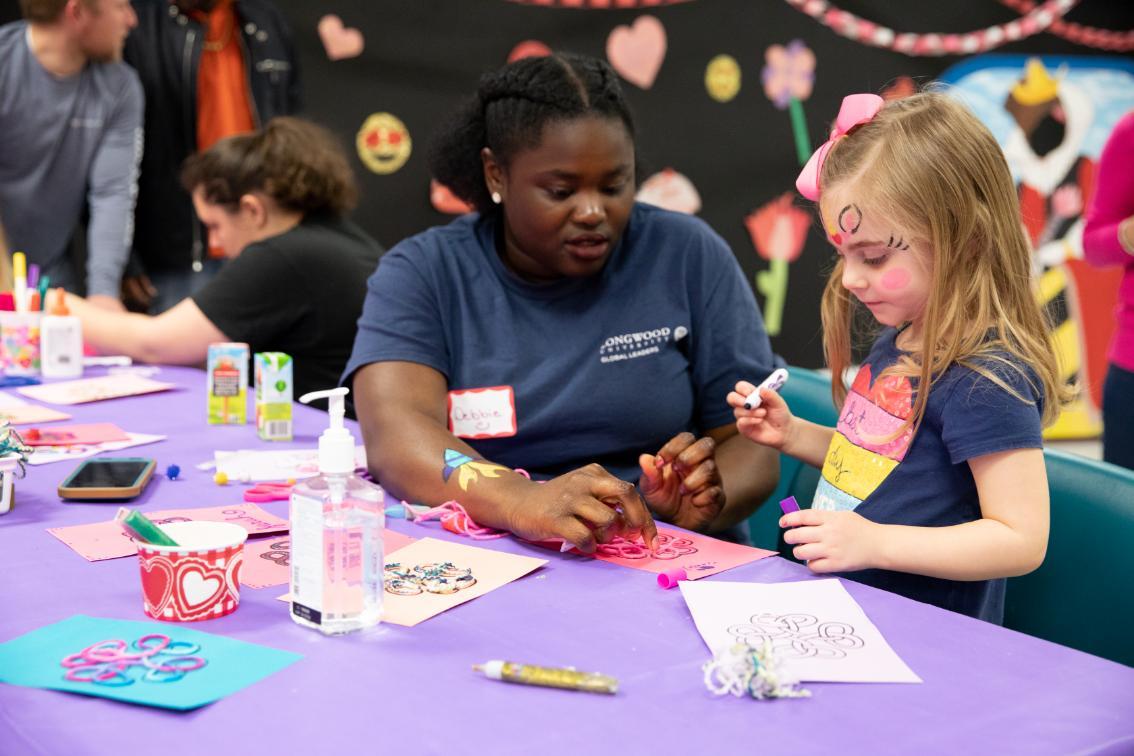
<point>769,424</point>
<point>586,506</point>
<point>839,541</point>
<point>682,483</point>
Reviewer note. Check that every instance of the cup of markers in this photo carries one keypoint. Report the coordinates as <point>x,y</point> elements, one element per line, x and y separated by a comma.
<point>20,313</point>
<point>198,578</point>
<point>19,342</point>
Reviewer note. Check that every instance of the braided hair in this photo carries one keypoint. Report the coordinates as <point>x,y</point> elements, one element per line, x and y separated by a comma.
<point>508,114</point>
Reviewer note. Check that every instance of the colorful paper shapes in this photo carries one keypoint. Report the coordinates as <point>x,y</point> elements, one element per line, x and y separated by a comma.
<point>789,73</point>
<point>529,48</point>
<point>778,228</point>
<point>339,41</point>
<point>722,78</point>
<point>636,52</point>
<point>383,143</point>
<point>444,201</point>
<point>671,190</point>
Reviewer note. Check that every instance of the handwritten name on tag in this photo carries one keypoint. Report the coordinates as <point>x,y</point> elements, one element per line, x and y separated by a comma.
<point>483,413</point>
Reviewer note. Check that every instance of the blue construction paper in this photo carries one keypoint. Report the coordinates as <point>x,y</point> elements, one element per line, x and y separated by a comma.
<point>34,660</point>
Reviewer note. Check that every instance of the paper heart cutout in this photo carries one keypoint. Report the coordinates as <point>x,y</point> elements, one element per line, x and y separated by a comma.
<point>157,583</point>
<point>529,48</point>
<point>671,190</point>
<point>892,393</point>
<point>443,199</point>
<point>637,52</point>
<point>339,41</point>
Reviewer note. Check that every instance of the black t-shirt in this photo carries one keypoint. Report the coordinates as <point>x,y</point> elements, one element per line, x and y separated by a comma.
<point>301,293</point>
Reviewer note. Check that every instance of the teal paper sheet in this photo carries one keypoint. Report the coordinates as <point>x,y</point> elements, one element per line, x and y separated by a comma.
<point>34,660</point>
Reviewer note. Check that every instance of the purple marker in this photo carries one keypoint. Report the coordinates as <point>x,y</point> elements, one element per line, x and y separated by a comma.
<point>789,505</point>
<point>775,382</point>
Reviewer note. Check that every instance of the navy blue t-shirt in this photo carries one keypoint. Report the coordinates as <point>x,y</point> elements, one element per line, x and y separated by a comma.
<point>600,369</point>
<point>926,481</point>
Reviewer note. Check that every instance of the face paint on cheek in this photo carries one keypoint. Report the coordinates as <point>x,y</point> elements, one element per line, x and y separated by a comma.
<point>895,279</point>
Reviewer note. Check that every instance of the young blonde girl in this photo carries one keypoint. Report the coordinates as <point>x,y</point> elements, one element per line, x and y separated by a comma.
<point>933,481</point>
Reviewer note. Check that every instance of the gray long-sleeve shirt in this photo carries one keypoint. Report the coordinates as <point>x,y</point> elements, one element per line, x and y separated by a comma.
<point>63,139</point>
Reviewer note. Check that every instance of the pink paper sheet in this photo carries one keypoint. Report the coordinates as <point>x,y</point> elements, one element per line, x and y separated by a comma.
<point>267,561</point>
<point>492,569</point>
<point>68,435</point>
<point>699,555</point>
<point>106,540</point>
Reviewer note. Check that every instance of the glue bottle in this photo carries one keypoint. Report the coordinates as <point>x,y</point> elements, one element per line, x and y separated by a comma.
<point>336,535</point>
<point>60,341</point>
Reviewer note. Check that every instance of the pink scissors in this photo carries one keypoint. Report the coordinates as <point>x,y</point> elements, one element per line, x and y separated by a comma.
<point>262,492</point>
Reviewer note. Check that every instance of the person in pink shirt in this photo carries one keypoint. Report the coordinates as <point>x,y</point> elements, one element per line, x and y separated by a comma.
<point>1108,239</point>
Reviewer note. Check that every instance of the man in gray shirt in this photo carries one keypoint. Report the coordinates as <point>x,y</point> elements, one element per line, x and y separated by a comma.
<point>70,129</point>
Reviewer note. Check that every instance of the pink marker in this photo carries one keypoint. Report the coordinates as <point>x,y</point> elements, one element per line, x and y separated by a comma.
<point>775,382</point>
<point>670,578</point>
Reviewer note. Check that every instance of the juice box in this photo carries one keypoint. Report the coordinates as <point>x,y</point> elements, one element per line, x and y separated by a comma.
<point>227,371</point>
<point>272,371</point>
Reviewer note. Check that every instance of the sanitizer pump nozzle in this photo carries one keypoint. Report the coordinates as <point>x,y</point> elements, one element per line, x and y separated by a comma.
<point>336,444</point>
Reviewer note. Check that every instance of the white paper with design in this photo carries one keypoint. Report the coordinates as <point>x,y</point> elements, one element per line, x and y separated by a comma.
<point>275,464</point>
<point>819,631</point>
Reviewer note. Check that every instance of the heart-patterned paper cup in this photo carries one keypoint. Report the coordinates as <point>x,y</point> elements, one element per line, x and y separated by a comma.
<point>197,580</point>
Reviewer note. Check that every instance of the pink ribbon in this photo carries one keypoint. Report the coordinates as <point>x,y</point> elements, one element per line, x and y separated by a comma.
<point>856,109</point>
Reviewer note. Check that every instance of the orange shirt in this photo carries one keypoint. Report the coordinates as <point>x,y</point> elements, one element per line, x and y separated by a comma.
<point>222,84</point>
<point>223,107</point>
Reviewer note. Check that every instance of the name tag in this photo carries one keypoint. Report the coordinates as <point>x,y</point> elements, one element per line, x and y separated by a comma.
<point>483,413</point>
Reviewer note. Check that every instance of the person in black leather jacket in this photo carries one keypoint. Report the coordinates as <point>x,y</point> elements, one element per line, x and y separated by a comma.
<point>166,49</point>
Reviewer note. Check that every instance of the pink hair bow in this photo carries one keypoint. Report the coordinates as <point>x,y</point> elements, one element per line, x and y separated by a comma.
<point>856,109</point>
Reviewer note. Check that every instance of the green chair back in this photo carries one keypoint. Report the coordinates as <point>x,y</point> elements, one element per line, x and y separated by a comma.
<point>1081,596</point>
<point>808,394</point>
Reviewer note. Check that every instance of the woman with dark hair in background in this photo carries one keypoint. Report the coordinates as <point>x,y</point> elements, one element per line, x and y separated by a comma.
<point>274,200</point>
<point>562,329</point>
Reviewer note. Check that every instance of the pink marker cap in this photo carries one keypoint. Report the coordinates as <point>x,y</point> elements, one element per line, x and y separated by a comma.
<point>669,578</point>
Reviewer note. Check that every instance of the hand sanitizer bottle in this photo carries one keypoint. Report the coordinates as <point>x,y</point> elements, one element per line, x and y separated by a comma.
<point>336,536</point>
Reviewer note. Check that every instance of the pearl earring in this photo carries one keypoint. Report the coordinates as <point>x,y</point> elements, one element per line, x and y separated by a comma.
<point>496,198</point>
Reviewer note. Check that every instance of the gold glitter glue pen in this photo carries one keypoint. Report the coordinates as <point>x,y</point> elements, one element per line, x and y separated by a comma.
<point>526,674</point>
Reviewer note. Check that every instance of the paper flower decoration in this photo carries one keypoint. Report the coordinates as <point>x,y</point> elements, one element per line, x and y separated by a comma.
<point>778,229</point>
<point>671,190</point>
<point>789,73</point>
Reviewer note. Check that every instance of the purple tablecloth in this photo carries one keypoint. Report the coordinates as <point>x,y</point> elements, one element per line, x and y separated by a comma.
<point>410,690</point>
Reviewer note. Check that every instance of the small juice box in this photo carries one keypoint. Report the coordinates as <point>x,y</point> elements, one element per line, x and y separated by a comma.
<point>273,395</point>
<point>228,384</point>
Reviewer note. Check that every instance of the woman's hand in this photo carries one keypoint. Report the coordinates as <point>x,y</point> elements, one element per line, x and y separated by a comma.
<point>828,541</point>
<point>770,424</point>
<point>587,506</point>
<point>682,483</point>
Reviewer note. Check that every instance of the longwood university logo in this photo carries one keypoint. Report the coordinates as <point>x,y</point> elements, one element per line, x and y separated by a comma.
<point>629,346</point>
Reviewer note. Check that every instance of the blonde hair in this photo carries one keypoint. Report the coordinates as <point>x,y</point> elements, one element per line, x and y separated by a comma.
<point>933,168</point>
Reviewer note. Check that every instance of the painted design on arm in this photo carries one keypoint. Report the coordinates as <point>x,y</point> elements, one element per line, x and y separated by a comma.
<point>468,469</point>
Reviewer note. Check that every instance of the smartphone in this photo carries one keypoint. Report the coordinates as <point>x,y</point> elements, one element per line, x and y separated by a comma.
<point>108,478</point>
